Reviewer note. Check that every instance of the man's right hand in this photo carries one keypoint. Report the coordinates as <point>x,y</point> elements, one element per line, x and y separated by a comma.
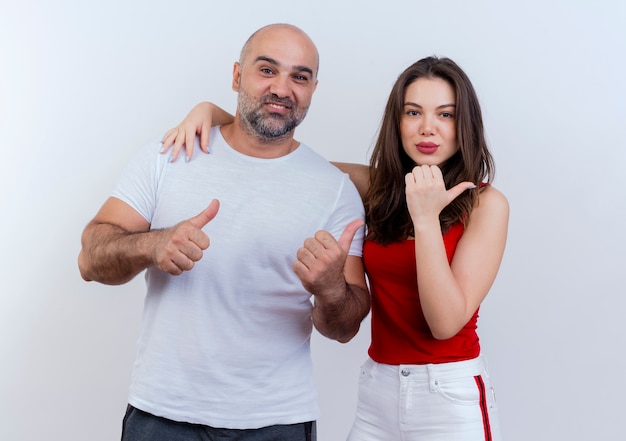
<point>179,247</point>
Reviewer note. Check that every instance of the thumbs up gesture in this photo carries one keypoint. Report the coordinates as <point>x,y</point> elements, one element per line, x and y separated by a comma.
<point>426,193</point>
<point>179,247</point>
<point>320,262</point>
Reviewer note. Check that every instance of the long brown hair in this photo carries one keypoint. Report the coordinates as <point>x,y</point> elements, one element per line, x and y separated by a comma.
<point>388,218</point>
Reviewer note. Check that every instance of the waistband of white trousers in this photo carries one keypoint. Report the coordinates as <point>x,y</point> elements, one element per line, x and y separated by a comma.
<point>426,372</point>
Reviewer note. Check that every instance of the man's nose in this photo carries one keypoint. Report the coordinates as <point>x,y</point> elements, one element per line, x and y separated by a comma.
<point>281,86</point>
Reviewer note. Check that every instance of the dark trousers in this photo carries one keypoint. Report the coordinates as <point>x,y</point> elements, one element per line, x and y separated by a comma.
<point>142,426</point>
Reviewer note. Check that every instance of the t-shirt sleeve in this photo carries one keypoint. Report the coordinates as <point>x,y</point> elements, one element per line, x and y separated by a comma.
<point>139,182</point>
<point>349,207</point>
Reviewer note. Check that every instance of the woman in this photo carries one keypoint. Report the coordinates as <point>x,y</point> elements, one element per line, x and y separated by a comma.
<point>434,244</point>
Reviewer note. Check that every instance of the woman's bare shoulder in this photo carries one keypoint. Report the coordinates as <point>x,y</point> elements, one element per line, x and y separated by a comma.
<point>492,206</point>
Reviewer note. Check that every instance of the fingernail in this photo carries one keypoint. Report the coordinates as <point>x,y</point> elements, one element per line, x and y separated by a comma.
<point>471,187</point>
<point>171,158</point>
<point>186,158</point>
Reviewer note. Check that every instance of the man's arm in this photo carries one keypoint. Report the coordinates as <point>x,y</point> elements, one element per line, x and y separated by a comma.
<point>118,244</point>
<point>337,282</point>
<point>338,313</point>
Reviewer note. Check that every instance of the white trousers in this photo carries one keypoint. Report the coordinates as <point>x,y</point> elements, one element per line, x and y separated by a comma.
<point>434,402</point>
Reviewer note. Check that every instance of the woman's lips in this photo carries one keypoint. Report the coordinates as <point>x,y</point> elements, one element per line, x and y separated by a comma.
<point>427,147</point>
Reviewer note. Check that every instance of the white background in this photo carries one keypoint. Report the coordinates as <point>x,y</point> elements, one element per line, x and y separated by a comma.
<point>85,83</point>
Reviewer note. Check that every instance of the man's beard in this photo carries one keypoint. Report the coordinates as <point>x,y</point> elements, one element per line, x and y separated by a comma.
<point>272,126</point>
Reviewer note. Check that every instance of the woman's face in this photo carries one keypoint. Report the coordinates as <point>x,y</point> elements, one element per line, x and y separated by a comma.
<point>428,124</point>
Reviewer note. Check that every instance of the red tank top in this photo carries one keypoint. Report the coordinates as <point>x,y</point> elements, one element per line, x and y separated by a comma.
<point>400,334</point>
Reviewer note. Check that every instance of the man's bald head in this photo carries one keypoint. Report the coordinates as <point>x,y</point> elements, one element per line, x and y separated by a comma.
<point>286,33</point>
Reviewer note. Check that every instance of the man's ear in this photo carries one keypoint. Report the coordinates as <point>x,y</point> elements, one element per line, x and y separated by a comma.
<point>236,76</point>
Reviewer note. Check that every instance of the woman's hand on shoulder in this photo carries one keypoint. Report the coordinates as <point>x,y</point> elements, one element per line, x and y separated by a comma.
<point>198,121</point>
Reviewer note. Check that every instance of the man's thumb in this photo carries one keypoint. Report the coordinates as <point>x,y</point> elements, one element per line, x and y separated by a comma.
<point>348,234</point>
<point>207,215</point>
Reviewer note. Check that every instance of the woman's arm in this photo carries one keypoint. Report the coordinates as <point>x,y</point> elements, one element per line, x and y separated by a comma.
<point>198,121</point>
<point>451,293</point>
<point>205,115</point>
<point>359,174</point>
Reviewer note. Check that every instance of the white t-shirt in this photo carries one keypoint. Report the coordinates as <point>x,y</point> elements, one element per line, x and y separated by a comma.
<point>227,344</point>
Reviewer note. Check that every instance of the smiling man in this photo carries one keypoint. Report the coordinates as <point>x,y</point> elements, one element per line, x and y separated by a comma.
<point>224,350</point>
